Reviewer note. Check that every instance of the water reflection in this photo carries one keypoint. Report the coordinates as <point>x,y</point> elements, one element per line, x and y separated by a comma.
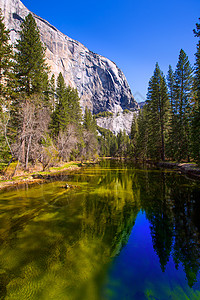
<point>171,204</point>
<point>57,244</point>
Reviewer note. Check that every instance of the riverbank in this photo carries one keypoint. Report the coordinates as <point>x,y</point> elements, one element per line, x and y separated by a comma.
<point>39,176</point>
<point>22,178</point>
<point>190,169</point>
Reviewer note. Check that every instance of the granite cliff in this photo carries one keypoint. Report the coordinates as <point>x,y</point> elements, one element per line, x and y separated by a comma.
<point>117,122</point>
<point>101,85</point>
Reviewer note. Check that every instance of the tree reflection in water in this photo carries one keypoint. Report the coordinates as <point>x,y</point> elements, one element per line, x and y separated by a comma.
<point>58,244</point>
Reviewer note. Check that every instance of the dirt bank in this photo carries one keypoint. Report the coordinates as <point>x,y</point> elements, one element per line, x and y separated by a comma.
<point>39,177</point>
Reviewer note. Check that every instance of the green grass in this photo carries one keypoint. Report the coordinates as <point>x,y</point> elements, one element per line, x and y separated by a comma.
<point>66,166</point>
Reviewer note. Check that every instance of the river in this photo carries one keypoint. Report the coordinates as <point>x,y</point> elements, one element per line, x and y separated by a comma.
<point>122,232</point>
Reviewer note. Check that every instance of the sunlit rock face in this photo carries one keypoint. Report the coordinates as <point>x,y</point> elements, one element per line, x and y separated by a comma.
<point>117,122</point>
<point>101,85</point>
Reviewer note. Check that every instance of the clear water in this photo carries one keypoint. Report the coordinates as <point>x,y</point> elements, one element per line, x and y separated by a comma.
<point>123,232</point>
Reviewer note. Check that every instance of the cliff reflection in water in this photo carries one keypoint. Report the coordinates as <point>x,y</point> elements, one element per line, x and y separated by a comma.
<point>56,243</point>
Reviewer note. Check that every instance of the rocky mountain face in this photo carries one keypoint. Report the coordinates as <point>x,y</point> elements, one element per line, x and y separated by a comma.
<point>117,122</point>
<point>101,85</point>
<point>141,104</point>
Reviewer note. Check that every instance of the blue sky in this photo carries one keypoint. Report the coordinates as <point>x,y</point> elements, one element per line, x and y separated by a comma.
<point>135,34</point>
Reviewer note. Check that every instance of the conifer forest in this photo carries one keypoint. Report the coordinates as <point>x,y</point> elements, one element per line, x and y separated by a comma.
<point>41,119</point>
<point>99,194</point>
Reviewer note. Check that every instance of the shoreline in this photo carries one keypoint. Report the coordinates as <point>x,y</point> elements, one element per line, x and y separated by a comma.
<point>39,177</point>
<point>190,169</point>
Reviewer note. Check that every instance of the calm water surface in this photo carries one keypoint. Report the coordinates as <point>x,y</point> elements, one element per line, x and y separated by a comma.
<point>123,232</point>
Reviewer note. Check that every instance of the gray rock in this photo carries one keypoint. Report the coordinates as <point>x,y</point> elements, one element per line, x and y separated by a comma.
<point>101,85</point>
<point>117,122</point>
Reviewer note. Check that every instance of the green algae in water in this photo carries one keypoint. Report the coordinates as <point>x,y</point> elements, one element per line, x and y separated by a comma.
<point>124,233</point>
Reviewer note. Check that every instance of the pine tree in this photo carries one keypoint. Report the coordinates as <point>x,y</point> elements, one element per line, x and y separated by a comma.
<point>66,127</point>
<point>75,113</point>
<point>32,79</point>
<point>123,142</point>
<point>107,142</point>
<point>30,58</point>
<point>170,84</point>
<point>60,87</point>
<point>182,105</point>
<point>88,121</point>
<point>67,110</point>
<point>142,136</point>
<point>171,146</point>
<point>6,64</point>
<point>90,147</point>
<point>60,118</point>
<point>158,115</point>
<point>52,92</point>
<point>196,110</point>
<point>7,82</point>
<point>134,135</point>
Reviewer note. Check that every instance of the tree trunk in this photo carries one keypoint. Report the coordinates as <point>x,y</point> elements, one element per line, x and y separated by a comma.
<point>27,152</point>
<point>23,144</point>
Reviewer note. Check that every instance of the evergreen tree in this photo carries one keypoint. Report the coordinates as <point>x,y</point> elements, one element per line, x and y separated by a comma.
<point>123,142</point>
<point>171,84</point>
<point>90,147</point>
<point>89,123</point>
<point>6,90</point>
<point>171,146</point>
<point>60,115</point>
<point>6,64</point>
<point>45,95</point>
<point>30,58</point>
<point>66,120</point>
<point>60,88</point>
<point>196,110</point>
<point>32,80</point>
<point>134,135</point>
<point>67,110</point>
<point>182,106</point>
<point>75,113</point>
<point>113,145</point>
<point>52,92</point>
<point>142,136</point>
<point>107,142</point>
<point>158,115</point>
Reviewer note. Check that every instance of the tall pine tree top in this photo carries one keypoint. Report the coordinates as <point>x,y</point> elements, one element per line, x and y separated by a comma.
<point>30,58</point>
<point>170,84</point>
<point>183,84</point>
<point>158,114</point>
<point>196,110</point>
<point>197,64</point>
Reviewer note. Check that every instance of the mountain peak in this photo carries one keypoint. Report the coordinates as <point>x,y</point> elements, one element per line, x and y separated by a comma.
<point>101,85</point>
